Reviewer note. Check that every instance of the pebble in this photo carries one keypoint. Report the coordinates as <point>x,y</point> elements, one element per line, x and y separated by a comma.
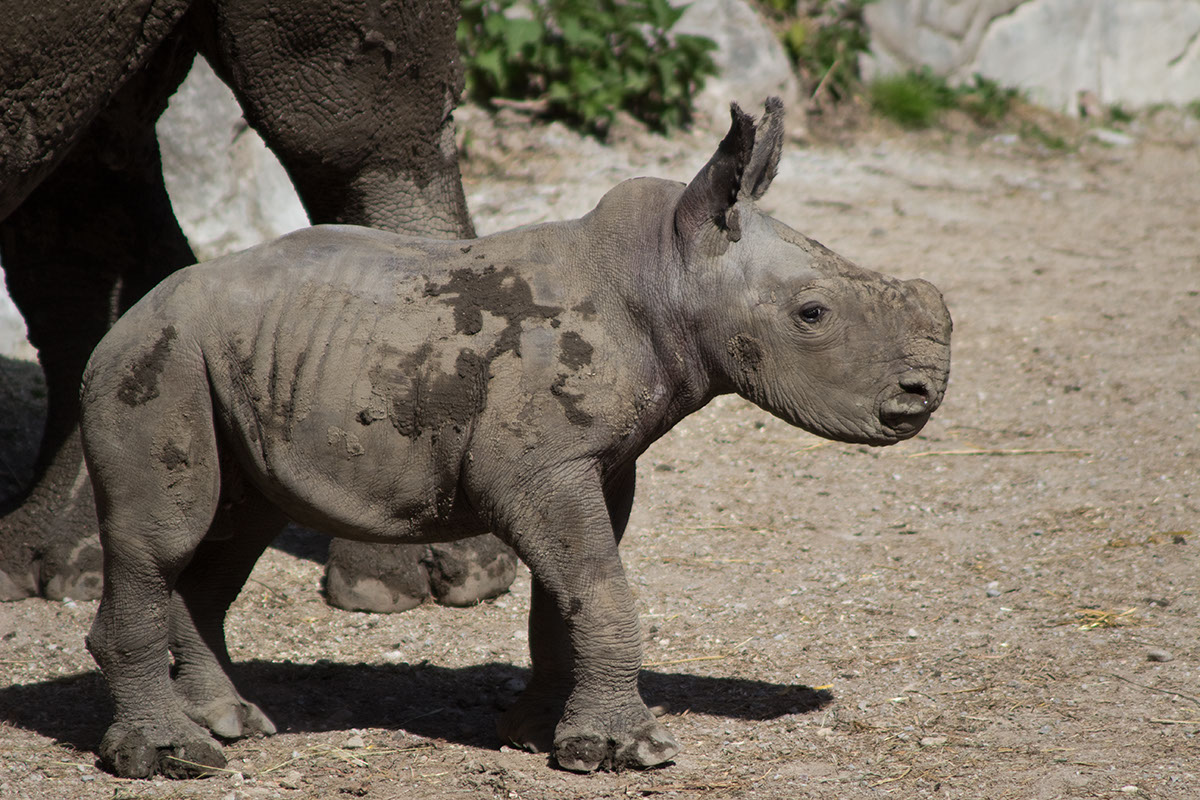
<point>912,633</point>
<point>355,742</point>
<point>1158,654</point>
<point>933,741</point>
<point>291,780</point>
<point>993,589</point>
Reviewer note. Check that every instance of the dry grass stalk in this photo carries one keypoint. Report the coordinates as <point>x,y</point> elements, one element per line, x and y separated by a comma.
<point>1093,618</point>
<point>984,452</point>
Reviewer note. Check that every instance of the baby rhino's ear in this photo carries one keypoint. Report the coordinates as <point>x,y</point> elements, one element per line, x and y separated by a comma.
<point>764,159</point>
<point>741,169</point>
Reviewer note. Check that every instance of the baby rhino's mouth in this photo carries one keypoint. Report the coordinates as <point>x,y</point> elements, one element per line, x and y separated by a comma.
<point>907,411</point>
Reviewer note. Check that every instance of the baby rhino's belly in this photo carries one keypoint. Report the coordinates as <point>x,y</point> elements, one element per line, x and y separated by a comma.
<point>348,474</point>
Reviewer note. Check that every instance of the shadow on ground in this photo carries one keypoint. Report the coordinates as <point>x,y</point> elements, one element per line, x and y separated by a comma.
<point>455,705</point>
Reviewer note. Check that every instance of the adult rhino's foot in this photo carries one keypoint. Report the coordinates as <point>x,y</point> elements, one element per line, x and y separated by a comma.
<point>20,570</point>
<point>49,540</point>
<point>73,567</point>
<point>530,722</point>
<point>56,557</point>
<point>581,746</point>
<point>375,577</point>
<point>392,578</point>
<point>180,750</point>
<point>469,571</point>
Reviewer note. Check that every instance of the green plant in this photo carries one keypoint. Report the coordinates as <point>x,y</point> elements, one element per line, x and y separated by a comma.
<point>1036,133</point>
<point>985,100</point>
<point>914,98</point>
<point>585,60</point>
<point>1193,108</point>
<point>824,39</point>
<point>1118,115</point>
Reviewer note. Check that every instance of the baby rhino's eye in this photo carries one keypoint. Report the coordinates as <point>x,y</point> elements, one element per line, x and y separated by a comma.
<point>810,313</point>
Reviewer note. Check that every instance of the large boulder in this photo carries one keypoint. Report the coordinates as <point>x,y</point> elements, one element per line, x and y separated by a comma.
<point>751,62</point>
<point>1130,52</point>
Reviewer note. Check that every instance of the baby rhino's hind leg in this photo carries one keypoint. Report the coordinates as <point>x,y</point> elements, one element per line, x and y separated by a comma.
<point>244,525</point>
<point>152,455</point>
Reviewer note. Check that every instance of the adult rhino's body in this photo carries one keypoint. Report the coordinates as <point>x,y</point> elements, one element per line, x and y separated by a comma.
<point>394,389</point>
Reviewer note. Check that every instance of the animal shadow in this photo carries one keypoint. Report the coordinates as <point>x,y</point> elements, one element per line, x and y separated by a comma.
<point>450,704</point>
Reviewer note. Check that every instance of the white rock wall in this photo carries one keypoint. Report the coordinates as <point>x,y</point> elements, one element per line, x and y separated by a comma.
<point>752,63</point>
<point>1130,52</point>
<point>228,190</point>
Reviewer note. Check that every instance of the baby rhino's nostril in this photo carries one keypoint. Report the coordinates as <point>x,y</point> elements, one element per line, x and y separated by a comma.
<point>915,384</point>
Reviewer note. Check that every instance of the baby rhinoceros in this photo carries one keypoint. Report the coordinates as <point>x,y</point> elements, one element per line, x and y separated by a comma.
<point>396,389</point>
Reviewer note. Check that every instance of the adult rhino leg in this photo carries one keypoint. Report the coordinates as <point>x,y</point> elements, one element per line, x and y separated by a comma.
<point>244,525</point>
<point>90,240</point>
<point>356,100</point>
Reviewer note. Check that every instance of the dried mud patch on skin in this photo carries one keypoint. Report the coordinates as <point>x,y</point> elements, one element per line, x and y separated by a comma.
<point>941,592</point>
<point>501,293</point>
<point>141,385</point>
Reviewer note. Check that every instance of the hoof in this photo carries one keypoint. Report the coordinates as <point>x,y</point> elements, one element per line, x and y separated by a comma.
<point>138,753</point>
<point>648,746</point>
<point>469,571</point>
<point>376,577</point>
<point>17,582</point>
<point>233,719</point>
<point>393,578</point>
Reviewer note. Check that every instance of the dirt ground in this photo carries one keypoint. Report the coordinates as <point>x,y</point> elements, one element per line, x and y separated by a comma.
<point>1003,607</point>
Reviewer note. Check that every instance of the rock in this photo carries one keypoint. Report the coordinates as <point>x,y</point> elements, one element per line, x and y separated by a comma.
<point>228,190</point>
<point>752,62</point>
<point>355,742</point>
<point>291,780</point>
<point>1158,654</point>
<point>1112,138</point>
<point>1132,53</point>
<point>933,741</point>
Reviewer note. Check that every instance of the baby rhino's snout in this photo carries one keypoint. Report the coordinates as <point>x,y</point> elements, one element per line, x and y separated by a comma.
<point>919,388</point>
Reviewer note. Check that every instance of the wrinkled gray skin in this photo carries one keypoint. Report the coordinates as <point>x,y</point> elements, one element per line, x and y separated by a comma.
<point>355,99</point>
<point>393,389</point>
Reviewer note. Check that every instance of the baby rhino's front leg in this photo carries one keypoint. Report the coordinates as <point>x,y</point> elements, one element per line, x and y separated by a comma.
<point>592,677</point>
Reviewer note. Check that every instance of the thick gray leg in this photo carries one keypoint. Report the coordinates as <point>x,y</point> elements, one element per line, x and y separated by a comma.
<point>604,722</point>
<point>84,246</point>
<point>245,524</point>
<point>153,515</point>
<point>530,722</point>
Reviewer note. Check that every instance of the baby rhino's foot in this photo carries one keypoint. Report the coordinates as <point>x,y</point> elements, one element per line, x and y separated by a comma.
<point>231,718</point>
<point>183,750</point>
<point>582,750</point>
